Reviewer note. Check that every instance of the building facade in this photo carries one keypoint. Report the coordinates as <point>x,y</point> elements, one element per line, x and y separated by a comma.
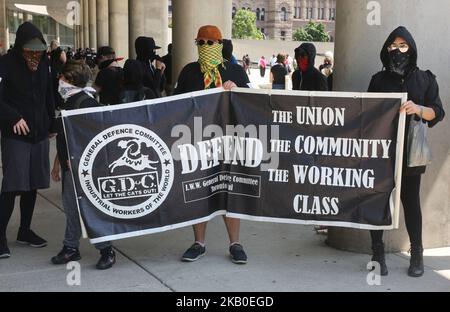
<point>279,19</point>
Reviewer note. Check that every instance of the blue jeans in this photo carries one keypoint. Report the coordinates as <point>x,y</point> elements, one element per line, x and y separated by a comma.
<point>278,87</point>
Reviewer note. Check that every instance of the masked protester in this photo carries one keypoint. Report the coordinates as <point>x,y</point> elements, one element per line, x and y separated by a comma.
<point>401,74</point>
<point>307,77</point>
<point>27,110</point>
<point>72,88</point>
<point>209,72</point>
<point>108,82</point>
<point>133,86</point>
<point>152,65</point>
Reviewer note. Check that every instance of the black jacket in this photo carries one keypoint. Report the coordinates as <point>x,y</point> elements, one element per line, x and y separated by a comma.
<point>312,79</point>
<point>79,100</point>
<point>24,94</point>
<point>421,86</point>
<point>153,78</point>
<point>191,77</point>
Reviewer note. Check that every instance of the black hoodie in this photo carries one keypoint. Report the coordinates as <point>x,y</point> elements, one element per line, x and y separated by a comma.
<point>312,79</point>
<point>421,86</point>
<point>153,78</point>
<point>24,94</point>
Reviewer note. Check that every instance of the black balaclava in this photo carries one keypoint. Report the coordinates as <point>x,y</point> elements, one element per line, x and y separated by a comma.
<point>399,62</point>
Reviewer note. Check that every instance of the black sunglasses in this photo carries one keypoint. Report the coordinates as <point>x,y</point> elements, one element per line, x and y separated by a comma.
<point>209,42</point>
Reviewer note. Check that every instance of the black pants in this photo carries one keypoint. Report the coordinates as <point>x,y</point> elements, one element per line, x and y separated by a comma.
<point>27,203</point>
<point>410,196</point>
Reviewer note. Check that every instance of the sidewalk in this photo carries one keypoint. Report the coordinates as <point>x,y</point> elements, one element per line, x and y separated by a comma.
<point>281,258</point>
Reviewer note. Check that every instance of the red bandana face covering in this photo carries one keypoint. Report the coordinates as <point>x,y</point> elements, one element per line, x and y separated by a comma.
<point>32,58</point>
<point>304,64</point>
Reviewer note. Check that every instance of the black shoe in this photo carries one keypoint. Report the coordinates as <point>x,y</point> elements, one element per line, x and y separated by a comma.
<point>416,268</point>
<point>237,254</point>
<point>66,255</point>
<point>4,250</point>
<point>194,253</point>
<point>107,260</point>
<point>379,256</point>
<point>28,237</point>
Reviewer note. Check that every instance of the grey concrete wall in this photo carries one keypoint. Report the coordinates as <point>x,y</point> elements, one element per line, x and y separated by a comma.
<point>357,58</point>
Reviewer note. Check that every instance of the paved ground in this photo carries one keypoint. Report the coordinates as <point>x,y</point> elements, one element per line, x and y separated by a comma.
<point>282,258</point>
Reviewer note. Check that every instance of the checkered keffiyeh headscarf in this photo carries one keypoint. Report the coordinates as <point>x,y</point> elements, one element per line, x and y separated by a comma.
<point>210,57</point>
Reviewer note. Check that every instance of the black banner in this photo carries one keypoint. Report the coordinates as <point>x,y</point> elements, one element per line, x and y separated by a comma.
<point>330,159</point>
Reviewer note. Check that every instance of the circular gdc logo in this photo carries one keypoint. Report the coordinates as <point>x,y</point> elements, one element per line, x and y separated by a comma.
<point>126,171</point>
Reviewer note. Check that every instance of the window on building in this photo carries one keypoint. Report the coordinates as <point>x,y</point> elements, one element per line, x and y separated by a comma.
<point>333,15</point>
<point>283,14</point>
<point>283,35</point>
<point>258,14</point>
<point>233,14</point>
<point>263,14</point>
<point>263,30</point>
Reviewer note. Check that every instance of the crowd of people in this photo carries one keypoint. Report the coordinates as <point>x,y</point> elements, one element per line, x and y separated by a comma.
<point>35,81</point>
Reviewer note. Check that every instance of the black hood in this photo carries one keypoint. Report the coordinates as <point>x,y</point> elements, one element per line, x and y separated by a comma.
<point>25,33</point>
<point>404,33</point>
<point>145,48</point>
<point>310,50</point>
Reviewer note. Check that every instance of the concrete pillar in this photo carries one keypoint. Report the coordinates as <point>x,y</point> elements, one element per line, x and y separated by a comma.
<point>315,14</point>
<point>118,27</point>
<point>4,32</point>
<point>188,16</point>
<point>137,22</point>
<point>327,9</point>
<point>157,23</point>
<point>355,67</point>
<point>86,23</point>
<point>93,24</point>
<point>304,10</point>
<point>57,32</point>
<point>102,23</point>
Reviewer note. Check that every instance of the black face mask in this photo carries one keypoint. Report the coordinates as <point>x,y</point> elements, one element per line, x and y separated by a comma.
<point>152,56</point>
<point>399,62</point>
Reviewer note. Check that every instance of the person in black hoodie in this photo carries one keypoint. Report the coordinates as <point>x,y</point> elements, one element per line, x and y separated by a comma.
<point>401,74</point>
<point>133,86</point>
<point>152,65</point>
<point>307,77</point>
<point>27,111</point>
<point>72,88</point>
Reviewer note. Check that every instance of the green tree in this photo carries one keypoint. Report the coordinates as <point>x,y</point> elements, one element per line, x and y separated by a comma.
<point>314,32</point>
<point>244,26</point>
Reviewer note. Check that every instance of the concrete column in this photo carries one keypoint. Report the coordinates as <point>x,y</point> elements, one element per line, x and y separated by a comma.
<point>57,32</point>
<point>315,14</point>
<point>86,23</point>
<point>81,26</point>
<point>188,16</point>
<point>304,10</point>
<point>4,32</point>
<point>118,27</point>
<point>157,23</point>
<point>93,24</point>
<point>328,6</point>
<point>102,23</point>
<point>355,67</point>
<point>137,22</point>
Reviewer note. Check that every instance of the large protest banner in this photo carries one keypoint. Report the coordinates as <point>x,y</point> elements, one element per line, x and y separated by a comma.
<point>321,158</point>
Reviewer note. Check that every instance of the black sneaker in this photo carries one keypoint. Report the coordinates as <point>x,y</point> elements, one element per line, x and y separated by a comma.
<point>237,254</point>
<point>107,259</point>
<point>66,255</point>
<point>4,250</point>
<point>28,237</point>
<point>194,253</point>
